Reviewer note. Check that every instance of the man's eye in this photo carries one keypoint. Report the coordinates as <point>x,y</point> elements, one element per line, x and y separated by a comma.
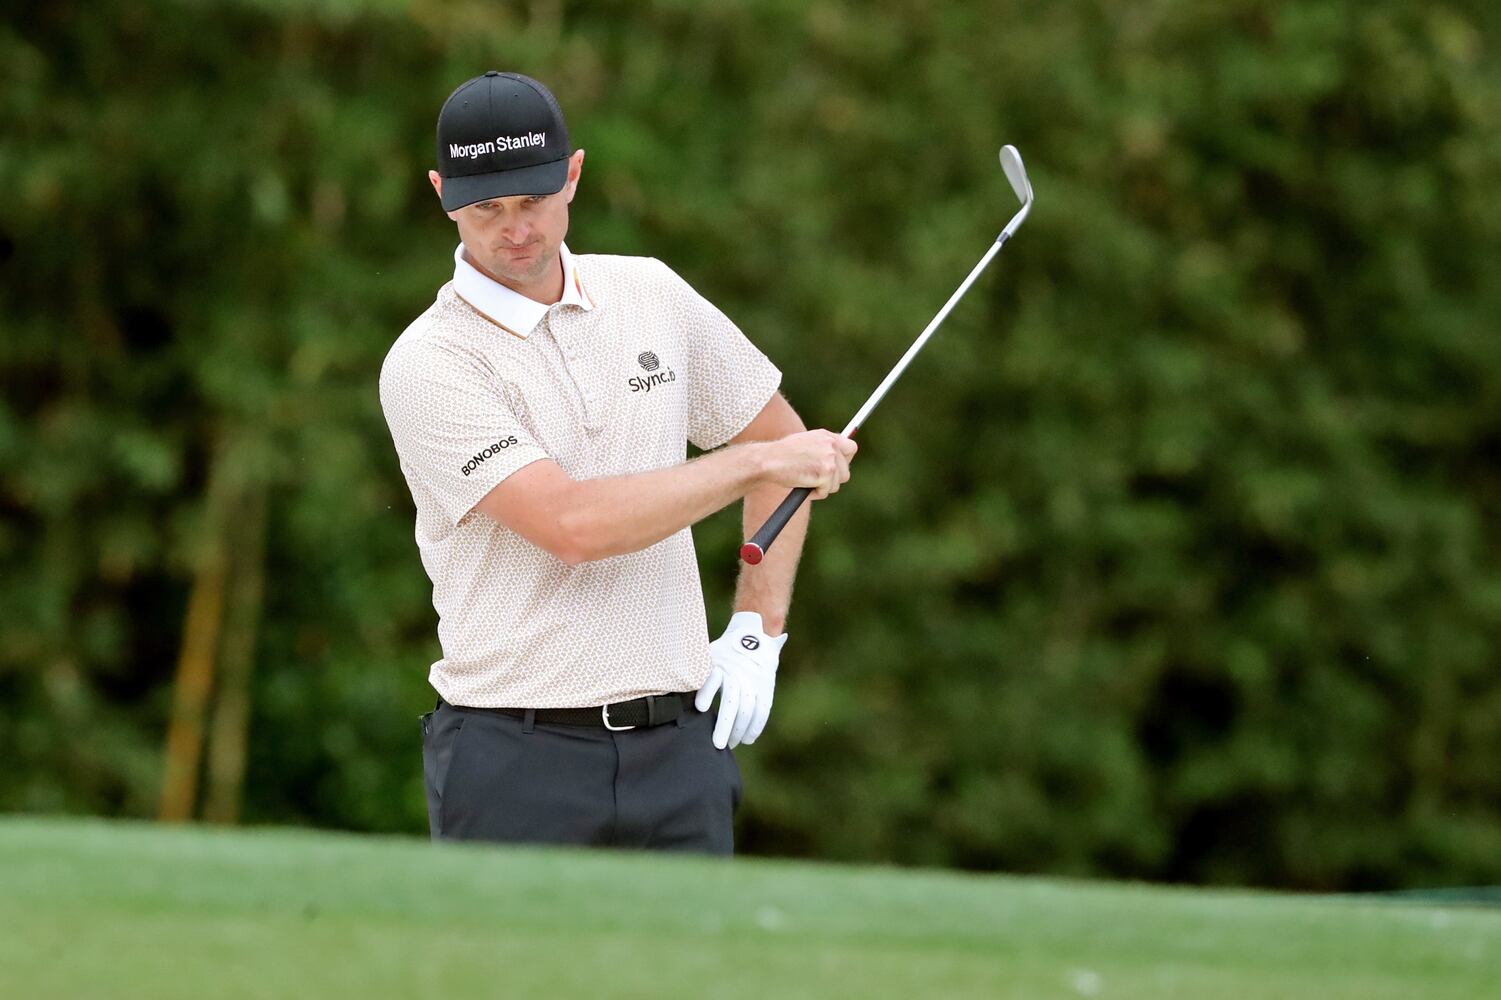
<point>536,199</point>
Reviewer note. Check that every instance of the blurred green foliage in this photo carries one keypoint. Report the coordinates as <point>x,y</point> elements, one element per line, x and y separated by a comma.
<point>1175,557</point>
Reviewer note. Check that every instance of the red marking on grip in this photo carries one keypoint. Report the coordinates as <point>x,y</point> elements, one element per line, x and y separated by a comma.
<point>751,553</point>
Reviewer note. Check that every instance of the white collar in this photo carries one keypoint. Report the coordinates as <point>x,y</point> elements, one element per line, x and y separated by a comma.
<point>508,308</point>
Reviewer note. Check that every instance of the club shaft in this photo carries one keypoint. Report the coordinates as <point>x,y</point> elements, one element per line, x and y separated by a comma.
<point>917,345</point>
<point>754,550</point>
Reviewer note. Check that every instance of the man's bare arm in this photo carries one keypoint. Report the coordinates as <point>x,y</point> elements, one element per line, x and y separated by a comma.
<point>580,521</point>
<point>767,587</point>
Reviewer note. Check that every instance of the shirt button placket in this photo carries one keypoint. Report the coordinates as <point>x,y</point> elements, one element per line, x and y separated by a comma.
<point>593,419</point>
<point>575,372</point>
<point>586,389</point>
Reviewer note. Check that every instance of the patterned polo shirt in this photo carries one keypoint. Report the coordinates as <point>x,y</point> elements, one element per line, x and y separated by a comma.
<point>614,379</point>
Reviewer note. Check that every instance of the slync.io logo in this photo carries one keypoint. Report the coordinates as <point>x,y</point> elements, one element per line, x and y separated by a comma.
<point>650,361</point>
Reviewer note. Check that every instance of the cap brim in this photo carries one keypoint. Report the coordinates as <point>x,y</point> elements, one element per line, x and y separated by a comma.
<point>544,178</point>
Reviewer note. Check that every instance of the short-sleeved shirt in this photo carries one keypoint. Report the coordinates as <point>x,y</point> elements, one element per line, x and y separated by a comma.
<point>615,379</point>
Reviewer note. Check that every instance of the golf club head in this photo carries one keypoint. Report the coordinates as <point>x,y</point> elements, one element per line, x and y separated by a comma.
<point>1016,173</point>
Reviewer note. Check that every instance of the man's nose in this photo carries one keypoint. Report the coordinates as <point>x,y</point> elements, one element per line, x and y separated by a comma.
<point>515,230</point>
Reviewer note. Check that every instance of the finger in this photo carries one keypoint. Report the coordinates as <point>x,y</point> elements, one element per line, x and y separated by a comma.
<point>758,724</point>
<point>705,696</point>
<point>828,475</point>
<point>729,706</point>
<point>744,716</point>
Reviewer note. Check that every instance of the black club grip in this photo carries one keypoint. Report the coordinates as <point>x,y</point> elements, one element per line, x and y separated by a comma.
<point>753,550</point>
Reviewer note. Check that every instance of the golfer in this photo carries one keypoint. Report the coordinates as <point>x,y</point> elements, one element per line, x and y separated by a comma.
<point>541,409</point>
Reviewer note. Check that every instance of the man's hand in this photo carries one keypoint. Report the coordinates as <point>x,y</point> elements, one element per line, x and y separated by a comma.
<point>744,674</point>
<point>819,460</point>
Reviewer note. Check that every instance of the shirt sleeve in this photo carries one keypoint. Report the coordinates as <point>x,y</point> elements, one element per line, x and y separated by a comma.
<point>730,379</point>
<point>452,426</point>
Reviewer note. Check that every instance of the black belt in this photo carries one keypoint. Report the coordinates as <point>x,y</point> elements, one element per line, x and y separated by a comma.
<point>652,710</point>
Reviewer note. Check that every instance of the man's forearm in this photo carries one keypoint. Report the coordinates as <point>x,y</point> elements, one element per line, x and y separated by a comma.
<point>767,588</point>
<point>619,514</point>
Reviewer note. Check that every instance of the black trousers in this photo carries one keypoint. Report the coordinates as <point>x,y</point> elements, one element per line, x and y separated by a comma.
<point>496,778</point>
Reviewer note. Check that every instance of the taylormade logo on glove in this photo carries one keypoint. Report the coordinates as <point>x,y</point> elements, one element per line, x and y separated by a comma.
<point>744,674</point>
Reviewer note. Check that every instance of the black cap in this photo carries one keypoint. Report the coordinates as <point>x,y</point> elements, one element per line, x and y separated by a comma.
<point>501,134</point>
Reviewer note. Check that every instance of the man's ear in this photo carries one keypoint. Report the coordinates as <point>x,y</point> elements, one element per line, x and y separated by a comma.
<point>437,182</point>
<point>575,169</point>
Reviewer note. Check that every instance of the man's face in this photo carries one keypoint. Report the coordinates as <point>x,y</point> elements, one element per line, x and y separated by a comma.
<point>516,239</point>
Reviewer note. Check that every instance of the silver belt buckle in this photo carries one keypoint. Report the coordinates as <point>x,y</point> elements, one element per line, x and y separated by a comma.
<point>604,713</point>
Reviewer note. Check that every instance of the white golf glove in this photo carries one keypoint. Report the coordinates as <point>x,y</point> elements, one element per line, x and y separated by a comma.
<point>744,674</point>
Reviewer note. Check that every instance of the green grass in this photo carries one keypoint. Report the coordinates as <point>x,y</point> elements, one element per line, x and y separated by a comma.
<point>94,909</point>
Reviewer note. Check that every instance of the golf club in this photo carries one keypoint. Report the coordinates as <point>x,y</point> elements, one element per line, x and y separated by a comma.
<point>1011,162</point>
